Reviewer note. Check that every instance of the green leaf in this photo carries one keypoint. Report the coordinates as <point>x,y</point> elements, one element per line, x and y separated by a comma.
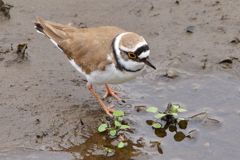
<point>117,123</point>
<point>113,132</point>
<point>160,115</point>
<point>152,109</point>
<point>120,119</point>
<point>180,118</point>
<point>156,125</point>
<point>124,126</point>
<point>174,114</point>
<point>118,113</point>
<point>181,110</point>
<point>102,127</point>
<point>121,145</point>
<point>174,108</point>
<point>108,150</point>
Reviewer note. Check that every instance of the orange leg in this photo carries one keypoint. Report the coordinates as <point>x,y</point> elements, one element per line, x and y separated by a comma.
<point>107,109</point>
<point>111,92</point>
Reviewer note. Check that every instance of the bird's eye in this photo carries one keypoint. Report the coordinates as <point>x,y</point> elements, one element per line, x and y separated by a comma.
<point>131,55</point>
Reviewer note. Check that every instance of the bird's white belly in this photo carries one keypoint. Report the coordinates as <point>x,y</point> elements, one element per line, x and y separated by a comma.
<point>110,75</point>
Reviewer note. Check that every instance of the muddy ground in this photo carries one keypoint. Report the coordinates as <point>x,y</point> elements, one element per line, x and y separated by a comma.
<point>44,102</point>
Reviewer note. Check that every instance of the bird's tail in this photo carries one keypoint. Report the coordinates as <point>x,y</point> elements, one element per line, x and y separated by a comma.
<point>54,31</point>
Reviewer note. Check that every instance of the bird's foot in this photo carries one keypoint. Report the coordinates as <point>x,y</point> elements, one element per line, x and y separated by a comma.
<point>108,110</point>
<point>111,92</point>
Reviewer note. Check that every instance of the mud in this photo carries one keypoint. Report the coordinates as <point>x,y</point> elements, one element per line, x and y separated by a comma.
<point>45,105</point>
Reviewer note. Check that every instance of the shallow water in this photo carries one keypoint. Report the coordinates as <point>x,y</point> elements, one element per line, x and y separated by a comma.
<point>218,96</point>
<point>214,131</point>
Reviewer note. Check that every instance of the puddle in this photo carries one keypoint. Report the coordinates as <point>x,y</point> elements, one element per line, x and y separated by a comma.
<point>213,105</point>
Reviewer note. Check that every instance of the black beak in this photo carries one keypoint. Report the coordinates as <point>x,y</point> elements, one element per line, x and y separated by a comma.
<point>147,62</point>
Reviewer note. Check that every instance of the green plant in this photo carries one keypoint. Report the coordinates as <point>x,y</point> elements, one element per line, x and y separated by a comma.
<point>169,115</point>
<point>121,145</point>
<point>108,150</point>
<point>116,125</point>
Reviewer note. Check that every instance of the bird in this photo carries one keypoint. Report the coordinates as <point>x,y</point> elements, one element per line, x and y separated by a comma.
<point>104,55</point>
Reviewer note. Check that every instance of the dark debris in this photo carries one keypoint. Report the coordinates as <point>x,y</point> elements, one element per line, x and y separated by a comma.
<point>4,10</point>
<point>190,29</point>
<point>227,60</point>
<point>10,56</point>
<point>21,50</point>
<point>235,40</point>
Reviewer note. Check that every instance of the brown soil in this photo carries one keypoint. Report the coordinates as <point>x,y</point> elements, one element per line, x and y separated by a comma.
<point>45,100</point>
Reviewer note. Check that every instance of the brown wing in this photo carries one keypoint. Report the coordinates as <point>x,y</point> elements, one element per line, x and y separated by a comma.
<point>88,47</point>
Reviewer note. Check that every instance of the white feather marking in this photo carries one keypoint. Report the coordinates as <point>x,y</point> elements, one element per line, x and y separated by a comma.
<point>116,43</point>
<point>144,54</point>
<point>39,31</point>
<point>55,43</point>
<point>77,67</point>
<point>140,44</point>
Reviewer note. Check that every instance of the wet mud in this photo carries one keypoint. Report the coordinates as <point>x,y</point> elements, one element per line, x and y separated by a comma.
<point>47,112</point>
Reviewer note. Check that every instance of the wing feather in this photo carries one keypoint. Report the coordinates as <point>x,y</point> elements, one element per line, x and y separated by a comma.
<point>88,47</point>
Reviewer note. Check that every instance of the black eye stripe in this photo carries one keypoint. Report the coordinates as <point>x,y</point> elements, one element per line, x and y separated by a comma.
<point>141,49</point>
